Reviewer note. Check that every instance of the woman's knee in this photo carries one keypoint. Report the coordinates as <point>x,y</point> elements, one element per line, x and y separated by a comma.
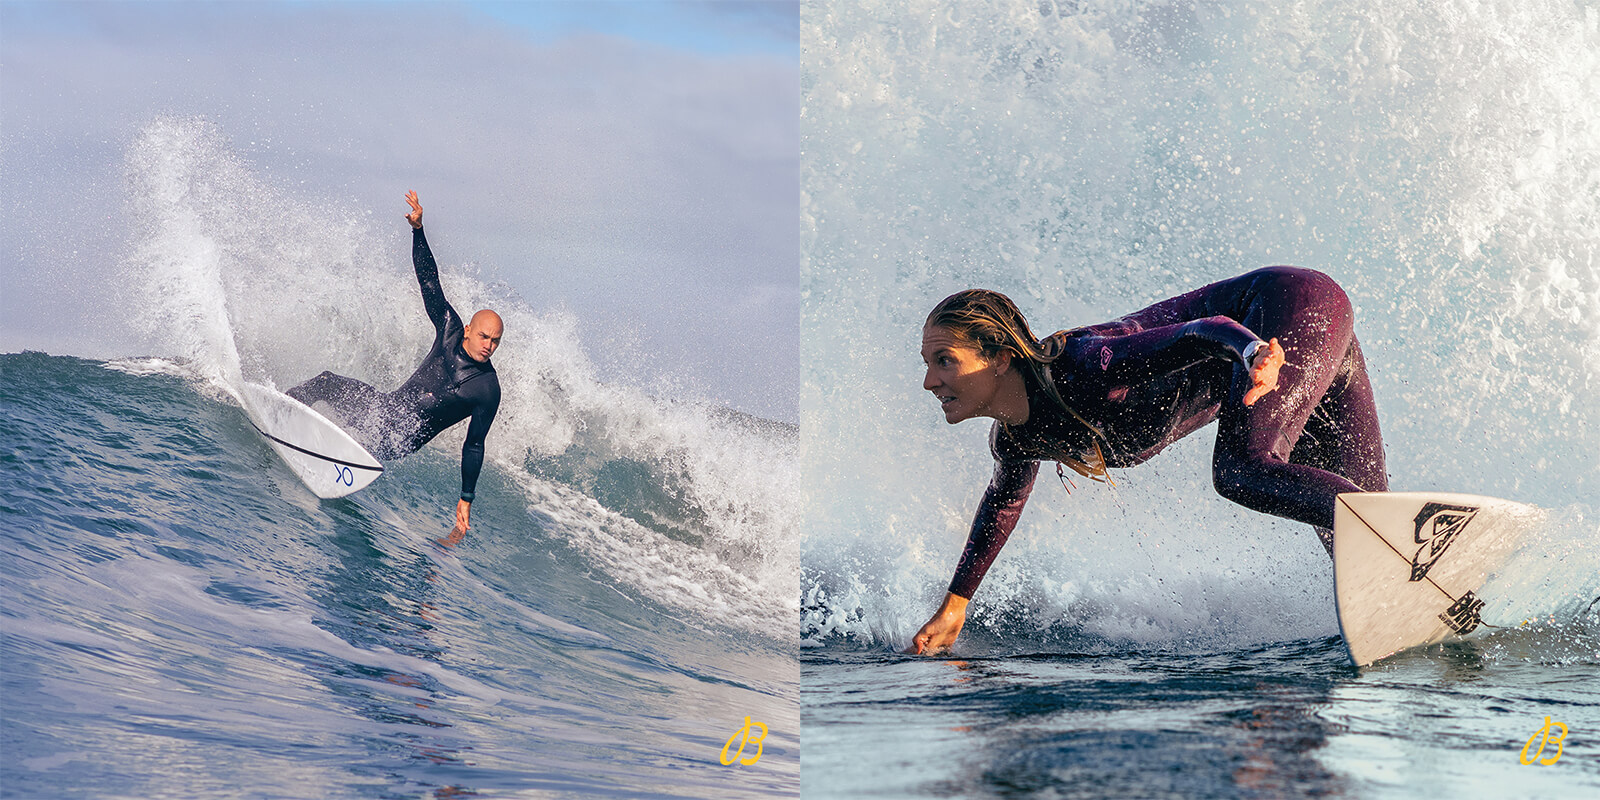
<point>1255,480</point>
<point>1230,479</point>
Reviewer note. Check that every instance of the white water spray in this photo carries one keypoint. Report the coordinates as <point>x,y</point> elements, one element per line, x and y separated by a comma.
<point>245,282</point>
<point>1087,159</point>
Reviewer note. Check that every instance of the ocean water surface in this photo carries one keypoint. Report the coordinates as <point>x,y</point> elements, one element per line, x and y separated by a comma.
<point>182,618</point>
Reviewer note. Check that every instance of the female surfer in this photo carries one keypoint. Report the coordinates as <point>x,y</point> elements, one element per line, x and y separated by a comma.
<point>1115,394</point>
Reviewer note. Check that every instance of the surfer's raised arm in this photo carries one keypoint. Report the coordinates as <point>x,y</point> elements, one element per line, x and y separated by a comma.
<point>440,312</point>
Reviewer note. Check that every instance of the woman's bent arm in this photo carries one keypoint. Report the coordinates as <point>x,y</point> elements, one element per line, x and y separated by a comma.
<point>1134,357</point>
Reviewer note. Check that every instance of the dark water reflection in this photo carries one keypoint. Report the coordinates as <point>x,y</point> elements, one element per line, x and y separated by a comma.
<point>1284,720</point>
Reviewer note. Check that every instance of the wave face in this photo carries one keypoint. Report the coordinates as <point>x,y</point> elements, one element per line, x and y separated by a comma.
<point>626,596</point>
<point>1435,157</point>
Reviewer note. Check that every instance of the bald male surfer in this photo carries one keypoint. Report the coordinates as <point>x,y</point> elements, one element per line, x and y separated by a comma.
<point>455,381</point>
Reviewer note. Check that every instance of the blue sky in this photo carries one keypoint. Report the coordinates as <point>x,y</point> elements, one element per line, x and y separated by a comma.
<point>634,163</point>
<point>714,28</point>
<point>710,27</point>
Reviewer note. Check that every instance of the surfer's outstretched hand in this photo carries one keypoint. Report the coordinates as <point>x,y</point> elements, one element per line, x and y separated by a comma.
<point>940,632</point>
<point>415,217</point>
<point>455,537</point>
<point>1264,372</point>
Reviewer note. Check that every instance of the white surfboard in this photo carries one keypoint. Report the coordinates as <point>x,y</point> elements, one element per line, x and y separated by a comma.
<point>320,453</point>
<point>1407,566</point>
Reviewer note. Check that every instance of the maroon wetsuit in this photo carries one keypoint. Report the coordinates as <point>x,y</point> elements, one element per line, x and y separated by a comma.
<point>1157,375</point>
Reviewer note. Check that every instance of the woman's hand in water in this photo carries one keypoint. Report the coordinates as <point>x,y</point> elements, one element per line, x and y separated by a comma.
<point>1264,367</point>
<point>415,217</point>
<point>941,631</point>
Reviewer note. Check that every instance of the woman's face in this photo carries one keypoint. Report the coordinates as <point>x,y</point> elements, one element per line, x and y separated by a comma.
<point>964,382</point>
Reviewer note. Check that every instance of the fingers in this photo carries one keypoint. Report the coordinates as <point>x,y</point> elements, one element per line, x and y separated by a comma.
<point>455,537</point>
<point>1263,387</point>
<point>930,643</point>
<point>1274,354</point>
<point>920,642</point>
<point>1265,373</point>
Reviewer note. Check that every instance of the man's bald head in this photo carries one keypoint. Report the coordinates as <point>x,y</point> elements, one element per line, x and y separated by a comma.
<point>482,335</point>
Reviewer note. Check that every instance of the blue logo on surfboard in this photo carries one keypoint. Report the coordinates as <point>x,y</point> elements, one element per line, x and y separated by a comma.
<point>1438,525</point>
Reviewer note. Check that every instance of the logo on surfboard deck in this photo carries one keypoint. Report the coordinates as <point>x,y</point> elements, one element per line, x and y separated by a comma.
<point>1437,526</point>
<point>1462,615</point>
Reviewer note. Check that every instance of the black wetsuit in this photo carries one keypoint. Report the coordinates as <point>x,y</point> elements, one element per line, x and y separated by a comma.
<point>446,388</point>
<point>1157,375</point>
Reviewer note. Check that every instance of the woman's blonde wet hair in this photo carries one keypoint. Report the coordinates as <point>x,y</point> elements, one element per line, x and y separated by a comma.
<point>990,323</point>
